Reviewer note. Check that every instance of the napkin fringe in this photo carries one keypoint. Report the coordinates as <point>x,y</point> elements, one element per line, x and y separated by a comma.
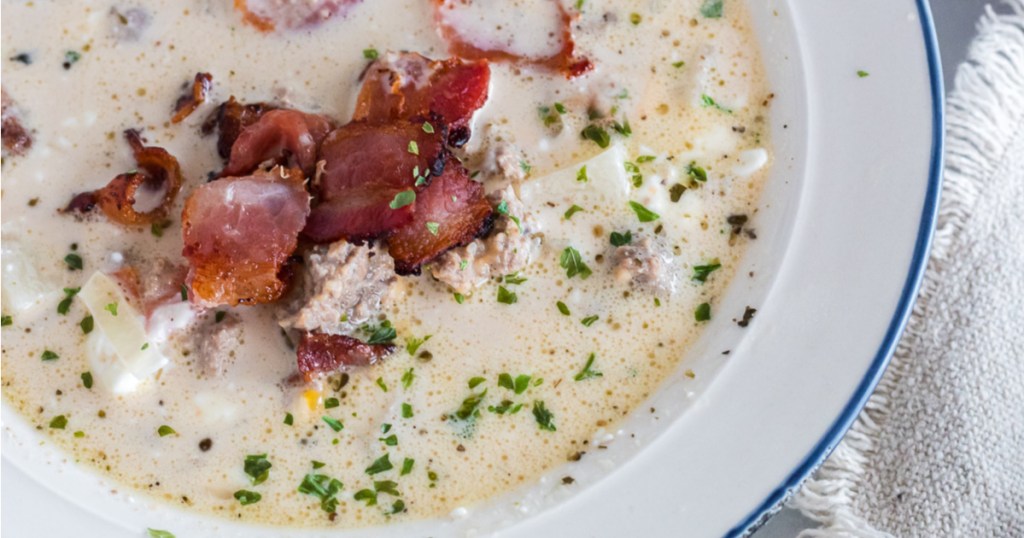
<point>982,118</point>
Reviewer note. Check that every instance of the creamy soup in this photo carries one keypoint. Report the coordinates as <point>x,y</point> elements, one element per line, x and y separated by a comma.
<point>621,193</point>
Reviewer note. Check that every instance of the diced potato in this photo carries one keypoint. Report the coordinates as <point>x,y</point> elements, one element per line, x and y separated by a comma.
<point>604,198</point>
<point>23,286</point>
<point>120,352</point>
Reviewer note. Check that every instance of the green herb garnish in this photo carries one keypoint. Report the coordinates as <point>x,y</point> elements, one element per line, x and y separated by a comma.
<point>572,211</point>
<point>49,355</point>
<point>59,422</point>
<point>596,135</point>
<point>403,199</point>
<point>543,416</point>
<point>703,312</point>
<point>619,240</point>
<point>246,497</point>
<point>74,262</point>
<point>87,380</point>
<point>165,430</point>
<point>587,372</point>
<point>507,297</point>
<point>711,9</point>
<point>257,466</point>
<point>380,465</point>
<point>573,264</point>
<point>589,320</point>
<point>563,309</point>
<point>701,272</point>
<point>642,213</point>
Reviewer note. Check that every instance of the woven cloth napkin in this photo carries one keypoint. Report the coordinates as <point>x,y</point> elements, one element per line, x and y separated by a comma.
<point>939,449</point>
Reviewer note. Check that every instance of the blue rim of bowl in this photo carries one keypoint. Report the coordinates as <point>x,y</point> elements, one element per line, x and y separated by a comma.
<point>906,303</point>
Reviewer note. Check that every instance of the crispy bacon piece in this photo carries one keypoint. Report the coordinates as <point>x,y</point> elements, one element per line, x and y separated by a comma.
<point>188,103</point>
<point>238,234</point>
<point>406,85</point>
<point>288,137</point>
<point>470,33</point>
<point>268,15</point>
<point>16,139</point>
<point>451,212</point>
<point>157,169</point>
<point>230,118</point>
<point>365,167</point>
<point>320,353</point>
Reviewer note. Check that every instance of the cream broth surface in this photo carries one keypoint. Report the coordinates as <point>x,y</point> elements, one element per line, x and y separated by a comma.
<point>693,92</point>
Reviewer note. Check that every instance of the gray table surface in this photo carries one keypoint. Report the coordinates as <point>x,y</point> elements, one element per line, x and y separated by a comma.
<point>955,24</point>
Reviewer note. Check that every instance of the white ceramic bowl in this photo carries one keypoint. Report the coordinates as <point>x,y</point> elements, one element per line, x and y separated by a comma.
<point>843,235</point>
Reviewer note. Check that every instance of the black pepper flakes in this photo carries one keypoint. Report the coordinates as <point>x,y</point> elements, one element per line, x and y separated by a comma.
<point>748,315</point>
<point>568,480</point>
<point>205,444</point>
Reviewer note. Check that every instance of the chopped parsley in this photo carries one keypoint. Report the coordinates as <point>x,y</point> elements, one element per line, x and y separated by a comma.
<point>257,466</point>
<point>246,497</point>
<point>573,264</point>
<point>622,128</point>
<point>563,309</point>
<point>165,430</point>
<point>6,320</point>
<point>642,213</point>
<point>71,57</point>
<point>318,464</point>
<point>470,405</point>
<point>587,372</point>
<point>543,416</point>
<point>407,410</point>
<point>74,262</point>
<point>371,54</point>
<point>87,380</point>
<point>863,74</point>
<point>433,227</point>
<point>391,440</point>
<point>474,382</point>
<point>525,166</point>
<point>403,199</point>
<point>289,419</point>
<point>635,18</point>
<point>409,376</point>
<point>507,297</point>
<point>59,422</point>
<point>703,312</point>
<point>514,278</point>
<point>49,355</point>
<point>517,385</point>
<point>675,192</point>
<point>701,272</point>
<point>707,101</point>
<point>407,464</point>
<point>696,173</point>
<point>380,383</point>
<point>112,308</point>
<point>711,9</point>
<point>644,159</point>
<point>505,407</point>
<point>380,334</point>
<point>596,135</point>
<point>157,228</point>
<point>678,64</point>
<point>589,320</point>
<point>331,403</point>
<point>65,304</point>
<point>619,240</point>
<point>184,293</point>
<point>428,128</point>
<point>413,345</point>
<point>324,488</point>
<point>459,298</point>
<point>637,178</point>
<point>572,211</point>
<point>414,148</point>
<point>157,533</point>
<point>581,174</point>
<point>380,465</point>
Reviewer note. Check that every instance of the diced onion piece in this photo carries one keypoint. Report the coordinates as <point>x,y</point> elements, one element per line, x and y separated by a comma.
<point>121,349</point>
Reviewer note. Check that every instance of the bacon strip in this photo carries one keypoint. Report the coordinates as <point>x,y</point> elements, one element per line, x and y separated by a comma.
<point>268,15</point>
<point>365,167</point>
<point>230,119</point>
<point>156,169</point>
<point>406,85</point>
<point>451,212</point>
<point>16,139</point>
<point>454,18</point>
<point>287,137</point>
<point>188,103</point>
<point>239,232</point>
<point>320,353</point>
